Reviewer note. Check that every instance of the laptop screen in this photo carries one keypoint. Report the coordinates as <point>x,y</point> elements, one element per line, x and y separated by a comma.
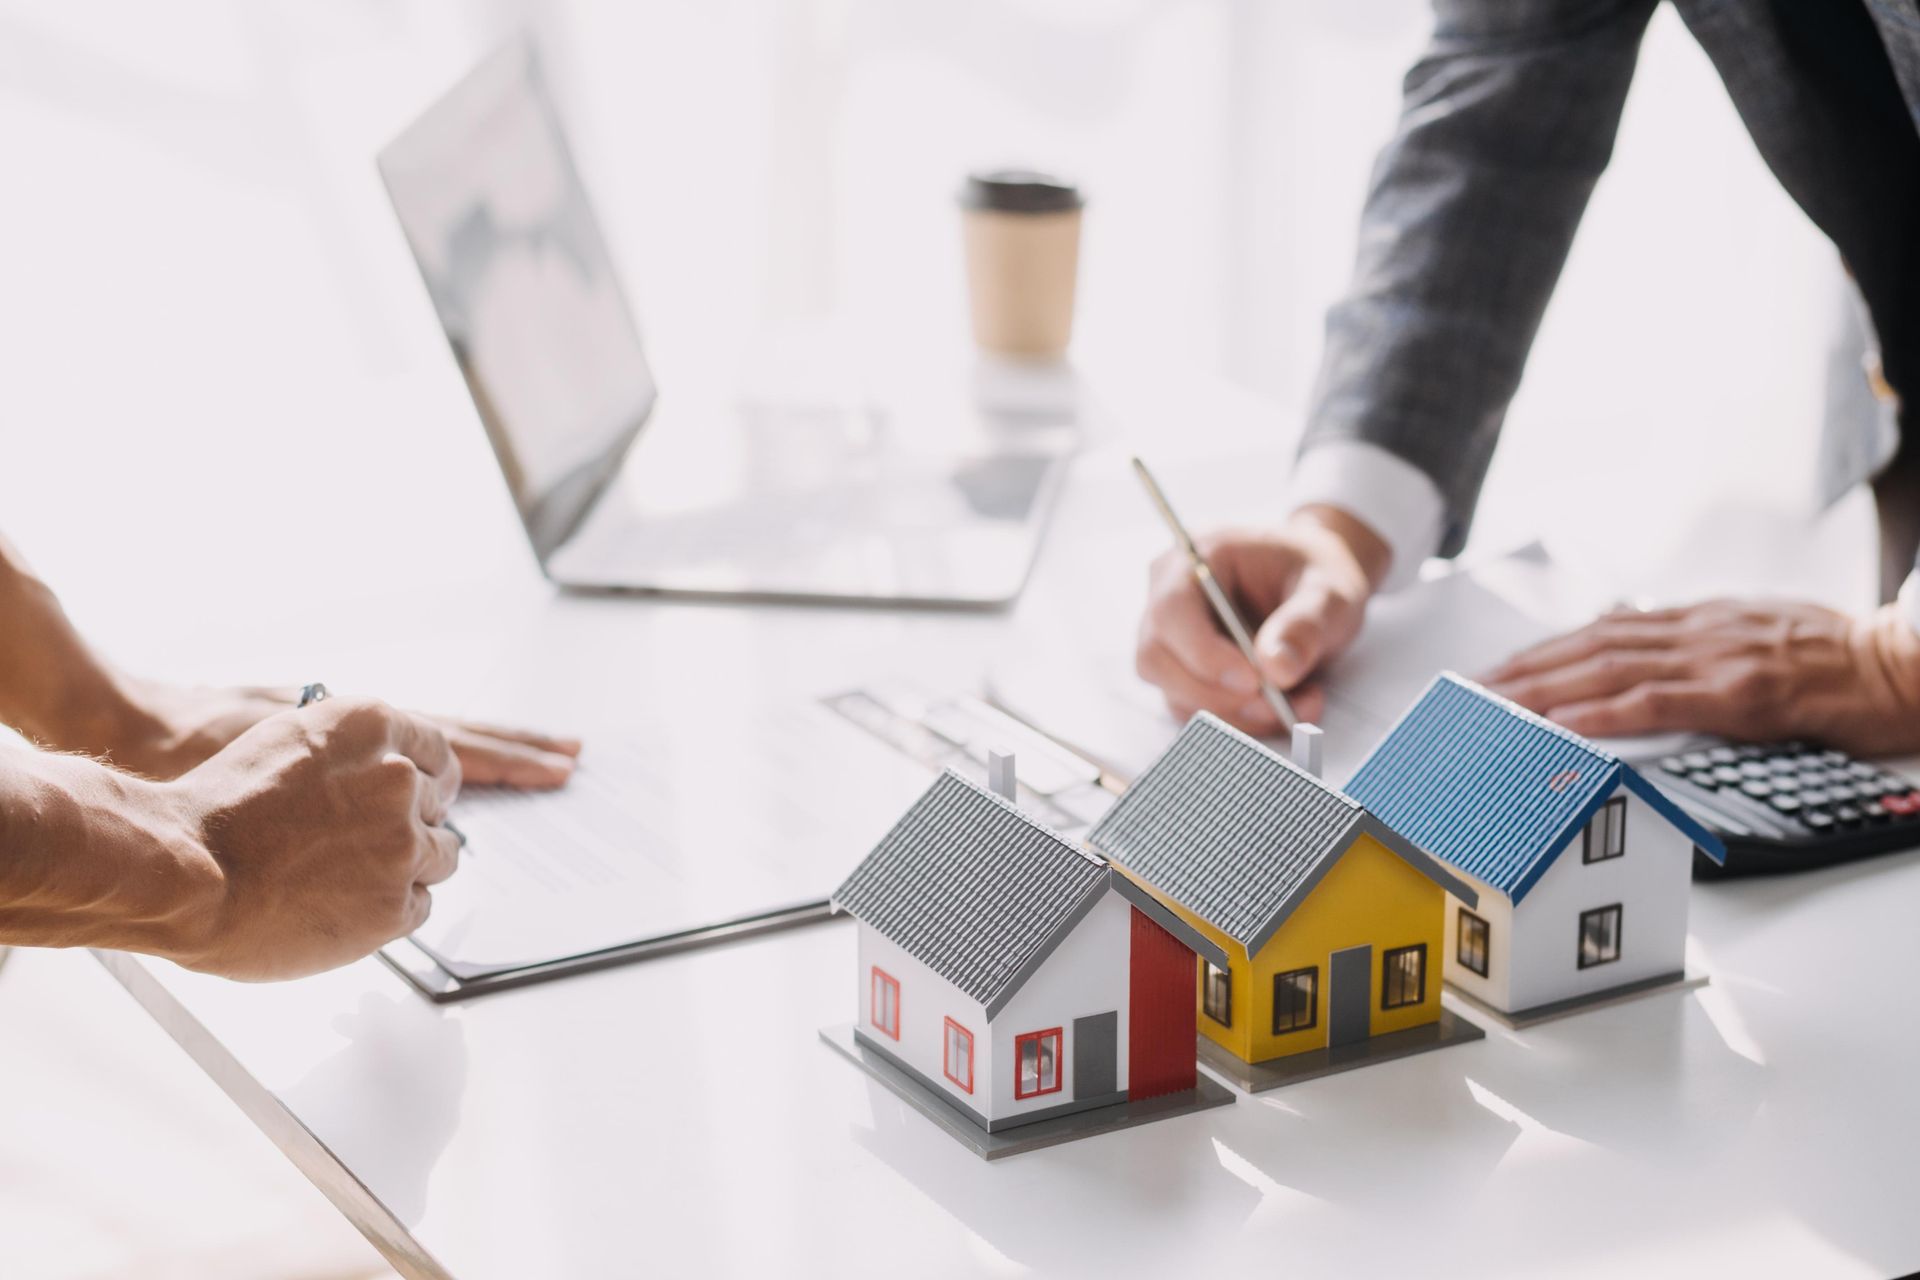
<point>492,205</point>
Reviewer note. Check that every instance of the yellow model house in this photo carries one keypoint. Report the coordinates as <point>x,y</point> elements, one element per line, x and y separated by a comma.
<point>1333,925</point>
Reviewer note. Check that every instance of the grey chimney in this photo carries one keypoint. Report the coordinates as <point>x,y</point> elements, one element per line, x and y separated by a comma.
<point>1000,776</point>
<point>1306,747</point>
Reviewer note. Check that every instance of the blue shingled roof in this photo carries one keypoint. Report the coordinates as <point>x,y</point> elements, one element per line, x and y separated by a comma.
<point>1494,790</point>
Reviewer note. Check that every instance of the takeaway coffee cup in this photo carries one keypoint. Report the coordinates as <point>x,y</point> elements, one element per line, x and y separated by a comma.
<point>1023,253</point>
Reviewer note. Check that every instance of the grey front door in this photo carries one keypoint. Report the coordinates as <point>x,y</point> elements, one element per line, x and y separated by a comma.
<point>1349,995</point>
<point>1096,1050</point>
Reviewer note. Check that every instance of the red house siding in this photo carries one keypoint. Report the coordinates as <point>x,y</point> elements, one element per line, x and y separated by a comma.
<point>1159,1013</point>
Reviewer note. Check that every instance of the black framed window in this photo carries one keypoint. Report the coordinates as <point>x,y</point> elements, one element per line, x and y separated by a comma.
<point>1472,947</point>
<point>1599,936</point>
<point>1403,977</point>
<point>1216,993</point>
<point>1296,1000</point>
<point>1607,833</point>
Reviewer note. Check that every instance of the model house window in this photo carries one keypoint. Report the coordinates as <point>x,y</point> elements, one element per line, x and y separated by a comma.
<point>1473,943</point>
<point>1607,833</point>
<point>1599,936</point>
<point>958,1061</point>
<point>1216,993</point>
<point>1403,978</point>
<point>1036,1063</point>
<point>885,1002</point>
<point>1295,999</point>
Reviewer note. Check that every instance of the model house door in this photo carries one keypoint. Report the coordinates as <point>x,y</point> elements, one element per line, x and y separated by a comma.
<point>1349,989</point>
<point>1096,1055</point>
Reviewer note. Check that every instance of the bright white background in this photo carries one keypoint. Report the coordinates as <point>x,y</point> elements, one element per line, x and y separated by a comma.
<point>215,354</point>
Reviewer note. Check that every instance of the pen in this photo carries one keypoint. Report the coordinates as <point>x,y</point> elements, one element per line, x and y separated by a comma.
<point>1222,607</point>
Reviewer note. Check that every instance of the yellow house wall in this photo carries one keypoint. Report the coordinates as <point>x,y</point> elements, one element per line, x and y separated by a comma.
<point>1369,897</point>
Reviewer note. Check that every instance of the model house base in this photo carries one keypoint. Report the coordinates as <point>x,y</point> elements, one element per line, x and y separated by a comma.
<point>1579,1004</point>
<point>1296,1068</point>
<point>903,1082</point>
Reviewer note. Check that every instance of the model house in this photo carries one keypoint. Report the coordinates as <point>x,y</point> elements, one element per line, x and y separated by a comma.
<point>1332,923</point>
<point>1582,867</point>
<point>1010,974</point>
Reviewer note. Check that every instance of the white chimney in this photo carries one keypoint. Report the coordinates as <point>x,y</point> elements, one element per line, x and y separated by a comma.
<point>1000,776</point>
<point>1307,746</point>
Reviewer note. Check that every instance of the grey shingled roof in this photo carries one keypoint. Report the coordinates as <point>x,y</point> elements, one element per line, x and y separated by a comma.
<point>1239,835</point>
<point>974,889</point>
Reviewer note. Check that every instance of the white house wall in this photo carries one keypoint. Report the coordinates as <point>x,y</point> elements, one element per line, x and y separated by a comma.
<point>1651,880</point>
<point>1533,949</point>
<point>927,1000</point>
<point>1494,908</point>
<point>1089,973</point>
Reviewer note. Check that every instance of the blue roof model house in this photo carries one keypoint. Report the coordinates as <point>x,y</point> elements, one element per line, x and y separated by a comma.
<point>1583,867</point>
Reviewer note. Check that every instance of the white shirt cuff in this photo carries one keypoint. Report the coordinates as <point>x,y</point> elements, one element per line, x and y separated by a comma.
<point>1908,601</point>
<point>1388,494</point>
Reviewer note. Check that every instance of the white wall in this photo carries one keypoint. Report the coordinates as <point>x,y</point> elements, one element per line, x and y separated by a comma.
<point>1533,950</point>
<point>1651,881</point>
<point>1089,973</point>
<point>926,1001</point>
<point>1494,908</point>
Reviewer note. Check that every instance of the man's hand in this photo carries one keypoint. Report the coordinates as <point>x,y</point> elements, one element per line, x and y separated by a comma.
<point>1746,670</point>
<point>323,826</point>
<point>164,730</point>
<point>1304,586</point>
<point>307,842</point>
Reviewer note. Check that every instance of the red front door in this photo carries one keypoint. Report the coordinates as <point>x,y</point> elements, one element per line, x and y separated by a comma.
<point>1159,1013</point>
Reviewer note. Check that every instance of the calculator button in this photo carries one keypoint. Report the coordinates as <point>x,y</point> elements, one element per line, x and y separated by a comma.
<point>1861,769</point>
<point>1812,796</point>
<point>1727,774</point>
<point>1874,812</point>
<point>1704,780</point>
<point>1834,758</point>
<point>1754,768</point>
<point>1674,764</point>
<point>1817,822</point>
<point>1902,804</point>
<point>1784,802</point>
<point>1783,764</point>
<point>1696,760</point>
<point>1758,788</point>
<point>1723,755</point>
<point>1848,816</point>
<point>1842,794</point>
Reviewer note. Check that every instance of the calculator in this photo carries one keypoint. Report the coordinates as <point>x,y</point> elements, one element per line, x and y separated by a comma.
<point>1790,806</point>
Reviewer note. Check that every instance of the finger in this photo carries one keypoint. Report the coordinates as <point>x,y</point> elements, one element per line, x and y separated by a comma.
<point>525,737</point>
<point>1180,621</point>
<point>1634,631</point>
<point>495,763</point>
<point>431,800</point>
<point>1309,703</point>
<point>419,907</point>
<point>423,743</point>
<point>1309,627</point>
<point>1186,695</point>
<point>1609,672</point>
<point>439,855</point>
<point>1659,706</point>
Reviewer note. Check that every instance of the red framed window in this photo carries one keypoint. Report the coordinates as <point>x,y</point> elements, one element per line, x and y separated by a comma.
<point>957,1059</point>
<point>883,1002</point>
<point>1036,1063</point>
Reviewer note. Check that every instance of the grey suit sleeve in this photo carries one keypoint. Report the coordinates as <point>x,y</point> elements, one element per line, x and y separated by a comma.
<point>1506,123</point>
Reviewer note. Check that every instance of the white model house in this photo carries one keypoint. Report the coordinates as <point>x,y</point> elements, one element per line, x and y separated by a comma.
<point>1583,867</point>
<point>1010,972</point>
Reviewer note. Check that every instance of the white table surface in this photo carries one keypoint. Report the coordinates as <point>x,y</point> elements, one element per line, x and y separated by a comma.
<point>680,1116</point>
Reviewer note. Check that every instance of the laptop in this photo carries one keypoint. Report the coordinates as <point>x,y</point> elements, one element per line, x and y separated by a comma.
<point>943,505</point>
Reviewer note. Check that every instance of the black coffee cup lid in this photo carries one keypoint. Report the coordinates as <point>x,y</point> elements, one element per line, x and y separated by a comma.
<point>1019,191</point>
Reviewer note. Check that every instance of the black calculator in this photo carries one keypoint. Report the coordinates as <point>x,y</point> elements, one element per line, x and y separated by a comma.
<point>1790,806</point>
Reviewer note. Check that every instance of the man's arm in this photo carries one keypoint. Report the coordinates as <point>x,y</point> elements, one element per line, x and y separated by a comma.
<point>308,841</point>
<point>61,694</point>
<point>1507,121</point>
